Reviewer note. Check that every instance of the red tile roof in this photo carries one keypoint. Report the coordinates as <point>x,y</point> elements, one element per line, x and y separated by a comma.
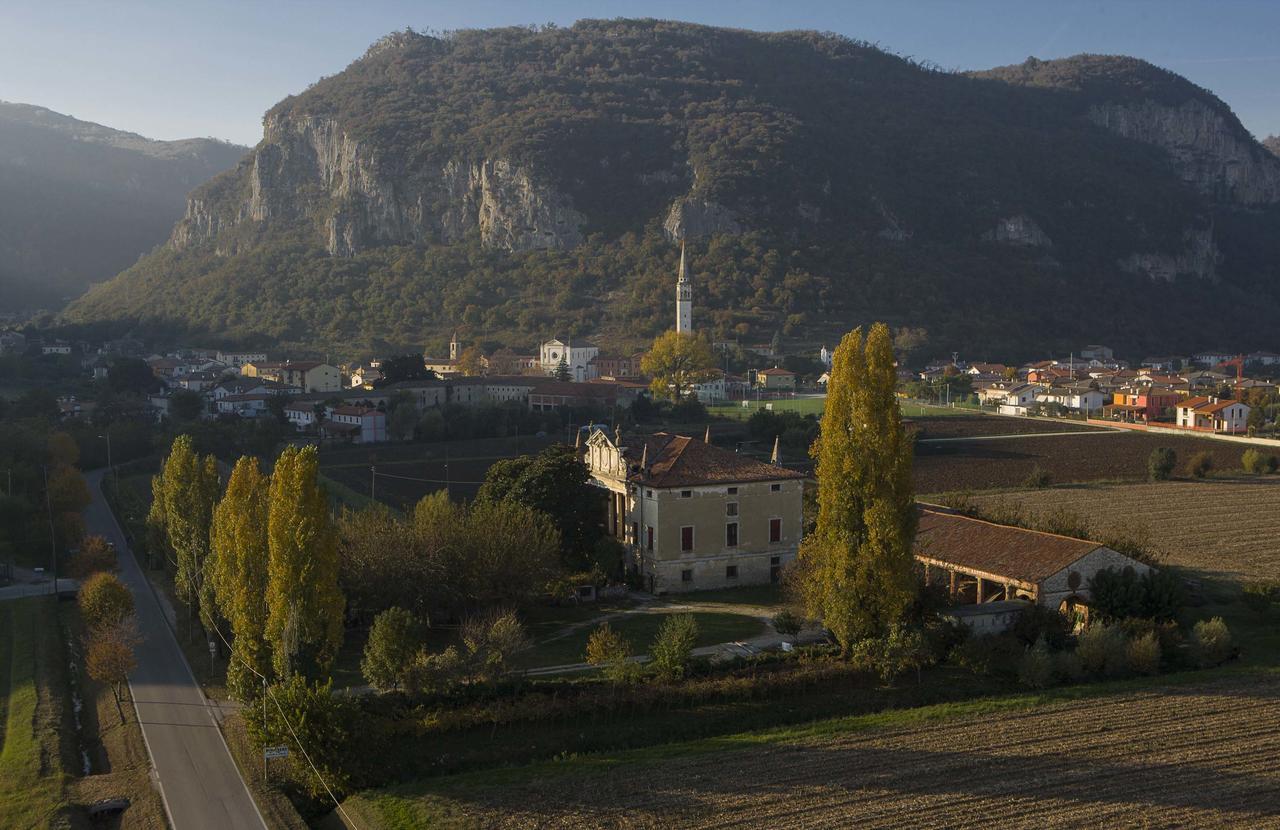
<point>999,550</point>
<point>679,461</point>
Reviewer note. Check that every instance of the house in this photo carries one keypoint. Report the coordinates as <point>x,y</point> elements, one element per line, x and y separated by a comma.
<point>693,515</point>
<point>1017,399</point>
<point>362,376</point>
<point>987,370</point>
<point>1163,363</point>
<point>1263,358</point>
<point>1212,358</point>
<point>1102,354</point>
<point>1075,398</point>
<point>307,375</point>
<point>980,561</point>
<point>776,379</point>
<point>358,424</point>
<point>578,359</point>
<point>617,367</point>
<point>713,389</point>
<point>1212,414</point>
<point>553,395</point>
<point>56,347</point>
<point>1141,403</point>
<point>238,359</point>
<point>249,405</point>
<point>301,414</point>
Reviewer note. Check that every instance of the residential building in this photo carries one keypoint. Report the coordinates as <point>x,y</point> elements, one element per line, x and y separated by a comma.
<point>1017,399</point>
<point>358,424</point>
<point>12,342</point>
<point>238,359</point>
<point>1263,358</point>
<point>1212,358</point>
<point>1102,354</point>
<point>980,561</point>
<point>249,405</point>
<point>307,375</point>
<point>693,515</point>
<point>1075,398</point>
<point>776,379</point>
<point>1141,403</point>
<point>610,366</point>
<point>1212,414</point>
<point>56,347</point>
<point>301,414</point>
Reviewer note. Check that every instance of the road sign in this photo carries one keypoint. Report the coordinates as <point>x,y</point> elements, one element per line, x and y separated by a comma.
<point>275,752</point>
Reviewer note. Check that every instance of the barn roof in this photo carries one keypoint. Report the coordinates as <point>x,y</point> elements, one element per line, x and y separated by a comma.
<point>998,550</point>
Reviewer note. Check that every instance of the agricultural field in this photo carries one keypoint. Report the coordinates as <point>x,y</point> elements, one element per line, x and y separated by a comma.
<point>407,472</point>
<point>1090,456</point>
<point>1225,528</point>
<point>931,426</point>
<point>1166,754</point>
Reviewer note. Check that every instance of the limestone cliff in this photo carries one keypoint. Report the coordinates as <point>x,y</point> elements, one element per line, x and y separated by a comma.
<point>1208,151</point>
<point>311,171</point>
<point>1199,257</point>
<point>1019,230</point>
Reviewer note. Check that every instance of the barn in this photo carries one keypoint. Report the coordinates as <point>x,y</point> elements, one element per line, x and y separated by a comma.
<point>981,562</point>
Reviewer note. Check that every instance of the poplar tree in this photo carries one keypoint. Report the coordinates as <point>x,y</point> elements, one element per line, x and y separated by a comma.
<point>304,617</point>
<point>238,574</point>
<point>189,490</point>
<point>856,570</point>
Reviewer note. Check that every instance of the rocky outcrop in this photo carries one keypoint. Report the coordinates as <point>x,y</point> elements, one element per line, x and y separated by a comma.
<point>311,170</point>
<point>691,217</point>
<point>1272,143</point>
<point>1210,153</point>
<point>1198,258</point>
<point>1019,230</point>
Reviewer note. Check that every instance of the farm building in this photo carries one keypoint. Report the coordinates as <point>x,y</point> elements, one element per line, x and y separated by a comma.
<point>982,561</point>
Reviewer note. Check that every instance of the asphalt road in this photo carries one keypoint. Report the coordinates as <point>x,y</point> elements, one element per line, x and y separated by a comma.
<point>199,782</point>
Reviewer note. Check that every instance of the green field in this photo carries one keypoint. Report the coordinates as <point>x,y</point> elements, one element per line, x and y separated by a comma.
<point>805,406</point>
<point>919,410</point>
<point>31,777</point>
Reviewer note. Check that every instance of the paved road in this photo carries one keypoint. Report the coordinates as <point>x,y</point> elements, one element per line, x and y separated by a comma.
<point>199,782</point>
<point>36,589</point>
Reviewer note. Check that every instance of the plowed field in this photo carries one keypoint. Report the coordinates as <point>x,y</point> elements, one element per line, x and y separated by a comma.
<point>1187,756</point>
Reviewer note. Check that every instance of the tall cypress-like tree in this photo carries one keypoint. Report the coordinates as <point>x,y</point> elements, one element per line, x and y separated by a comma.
<point>304,618</point>
<point>189,489</point>
<point>239,574</point>
<point>856,571</point>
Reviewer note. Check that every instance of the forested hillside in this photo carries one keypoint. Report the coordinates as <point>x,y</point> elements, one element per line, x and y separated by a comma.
<point>533,181</point>
<point>79,201</point>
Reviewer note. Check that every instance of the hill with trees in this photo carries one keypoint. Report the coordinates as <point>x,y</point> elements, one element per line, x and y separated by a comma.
<point>79,202</point>
<point>524,182</point>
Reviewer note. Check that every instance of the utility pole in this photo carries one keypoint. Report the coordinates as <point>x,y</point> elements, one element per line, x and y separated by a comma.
<point>373,482</point>
<point>110,466</point>
<point>448,491</point>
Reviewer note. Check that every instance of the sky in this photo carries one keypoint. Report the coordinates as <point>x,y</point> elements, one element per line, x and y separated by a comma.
<point>180,69</point>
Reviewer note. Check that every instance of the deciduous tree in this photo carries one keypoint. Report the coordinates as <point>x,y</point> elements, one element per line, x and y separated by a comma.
<point>109,657</point>
<point>104,600</point>
<point>304,620</point>
<point>676,362</point>
<point>393,642</point>
<point>855,571</point>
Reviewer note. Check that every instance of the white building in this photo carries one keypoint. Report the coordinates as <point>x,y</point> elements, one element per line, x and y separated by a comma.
<point>578,358</point>
<point>1074,398</point>
<point>238,359</point>
<point>1210,414</point>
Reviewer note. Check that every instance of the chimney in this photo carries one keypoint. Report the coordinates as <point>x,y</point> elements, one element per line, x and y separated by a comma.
<point>776,458</point>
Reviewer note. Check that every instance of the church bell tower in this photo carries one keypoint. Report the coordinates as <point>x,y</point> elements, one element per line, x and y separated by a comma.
<point>684,299</point>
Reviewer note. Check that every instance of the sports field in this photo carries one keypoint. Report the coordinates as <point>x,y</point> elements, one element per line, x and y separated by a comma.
<point>741,410</point>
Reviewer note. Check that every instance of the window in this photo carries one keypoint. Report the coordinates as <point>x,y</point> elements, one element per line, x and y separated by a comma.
<point>731,572</point>
<point>731,535</point>
<point>648,494</point>
<point>686,538</point>
<point>774,488</point>
<point>686,575</point>
<point>775,530</point>
<point>731,509</point>
<point>635,533</point>
<point>686,494</point>
<point>733,491</point>
<point>648,537</point>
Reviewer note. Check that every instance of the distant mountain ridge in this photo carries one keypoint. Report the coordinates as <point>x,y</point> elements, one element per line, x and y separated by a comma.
<point>80,201</point>
<point>533,180</point>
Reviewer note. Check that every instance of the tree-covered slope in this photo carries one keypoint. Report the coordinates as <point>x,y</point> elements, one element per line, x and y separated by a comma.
<point>79,202</point>
<point>523,182</point>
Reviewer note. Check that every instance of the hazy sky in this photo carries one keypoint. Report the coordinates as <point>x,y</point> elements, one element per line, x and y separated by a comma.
<point>176,69</point>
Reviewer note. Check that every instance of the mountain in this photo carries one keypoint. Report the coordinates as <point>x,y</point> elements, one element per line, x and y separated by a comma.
<point>79,202</point>
<point>1272,143</point>
<point>533,181</point>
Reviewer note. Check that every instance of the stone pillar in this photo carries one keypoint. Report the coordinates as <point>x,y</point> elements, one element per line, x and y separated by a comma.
<point>980,594</point>
<point>611,522</point>
<point>953,584</point>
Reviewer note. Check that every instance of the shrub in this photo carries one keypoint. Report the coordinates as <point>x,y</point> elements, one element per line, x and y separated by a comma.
<point>393,642</point>
<point>94,556</point>
<point>1040,624</point>
<point>609,650</point>
<point>1259,596</point>
<point>1199,465</point>
<point>435,673</point>
<point>491,641</point>
<point>1035,669</point>
<point>1253,462</point>
<point>1163,594</point>
<point>673,646</point>
<point>1116,594</point>
<point>787,623</point>
<point>1038,478</point>
<point>1211,641</point>
<point>1065,522</point>
<point>104,600</point>
<point>1067,667</point>
<point>1160,463</point>
<point>900,651</point>
<point>1144,654</point>
<point>1271,464</point>
<point>991,654</point>
<point>1103,651</point>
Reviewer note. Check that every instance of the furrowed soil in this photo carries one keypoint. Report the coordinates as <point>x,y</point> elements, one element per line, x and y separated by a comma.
<point>1089,456</point>
<point>1197,755</point>
<point>930,427</point>
<point>1226,528</point>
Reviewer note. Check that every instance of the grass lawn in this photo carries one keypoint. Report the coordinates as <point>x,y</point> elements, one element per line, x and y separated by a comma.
<point>747,595</point>
<point>911,408</point>
<point>640,628</point>
<point>805,406</point>
<point>32,781</point>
